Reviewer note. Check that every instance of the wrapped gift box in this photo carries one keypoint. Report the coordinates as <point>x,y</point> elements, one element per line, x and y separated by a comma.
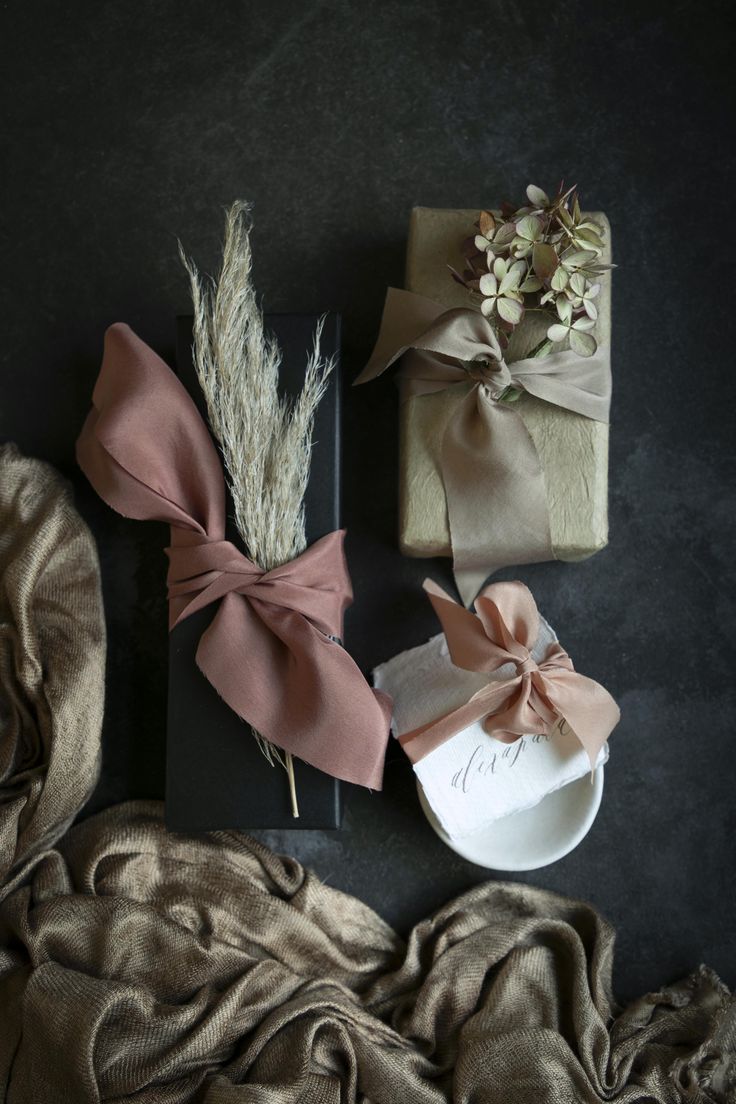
<point>474,779</point>
<point>573,449</point>
<point>216,775</point>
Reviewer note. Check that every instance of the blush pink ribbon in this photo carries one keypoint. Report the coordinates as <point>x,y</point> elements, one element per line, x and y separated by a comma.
<point>267,651</point>
<point>497,505</point>
<point>532,700</point>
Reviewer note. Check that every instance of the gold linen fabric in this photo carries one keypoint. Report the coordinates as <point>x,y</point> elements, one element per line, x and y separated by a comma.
<point>140,965</point>
<point>52,658</point>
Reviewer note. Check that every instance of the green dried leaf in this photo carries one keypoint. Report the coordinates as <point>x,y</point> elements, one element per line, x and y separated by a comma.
<point>578,258</point>
<point>529,228</point>
<point>544,260</point>
<point>511,394</point>
<point>589,236</point>
<point>584,344</point>
<point>530,285</point>
<point>559,279</point>
<point>505,234</point>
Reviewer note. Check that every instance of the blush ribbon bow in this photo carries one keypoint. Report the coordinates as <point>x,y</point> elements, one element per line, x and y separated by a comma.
<point>497,505</point>
<point>532,700</point>
<point>267,651</point>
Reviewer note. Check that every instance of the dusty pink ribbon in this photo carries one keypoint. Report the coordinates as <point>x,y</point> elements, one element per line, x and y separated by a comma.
<point>267,652</point>
<point>494,484</point>
<point>535,698</point>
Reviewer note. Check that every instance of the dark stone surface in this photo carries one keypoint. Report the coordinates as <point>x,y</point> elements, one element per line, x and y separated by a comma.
<point>129,125</point>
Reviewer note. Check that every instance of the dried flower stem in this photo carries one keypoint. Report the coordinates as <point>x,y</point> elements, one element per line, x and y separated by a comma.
<point>266,440</point>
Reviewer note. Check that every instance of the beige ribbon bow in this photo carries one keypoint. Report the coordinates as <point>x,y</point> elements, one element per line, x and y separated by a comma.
<point>496,498</point>
<point>532,700</point>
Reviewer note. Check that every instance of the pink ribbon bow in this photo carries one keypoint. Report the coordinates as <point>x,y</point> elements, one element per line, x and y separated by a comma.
<point>535,698</point>
<point>267,652</point>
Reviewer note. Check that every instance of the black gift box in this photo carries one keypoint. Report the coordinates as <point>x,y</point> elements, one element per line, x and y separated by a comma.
<point>216,775</point>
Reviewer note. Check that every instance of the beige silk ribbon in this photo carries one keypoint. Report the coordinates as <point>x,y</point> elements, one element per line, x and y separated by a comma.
<point>494,484</point>
<point>268,650</point>
<point>533,700</point>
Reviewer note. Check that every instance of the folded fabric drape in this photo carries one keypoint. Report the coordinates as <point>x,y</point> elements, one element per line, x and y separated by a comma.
<point>52,659</point>
<point>494,484</point>
<point>267,651</point>
<point>140,965</point>
<point>535,698</point>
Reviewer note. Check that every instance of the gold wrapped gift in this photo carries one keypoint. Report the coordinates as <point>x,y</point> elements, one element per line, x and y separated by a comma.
<point>573,449</point>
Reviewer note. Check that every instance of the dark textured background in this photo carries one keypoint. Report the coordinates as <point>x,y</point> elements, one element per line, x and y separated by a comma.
<point>128,125</point>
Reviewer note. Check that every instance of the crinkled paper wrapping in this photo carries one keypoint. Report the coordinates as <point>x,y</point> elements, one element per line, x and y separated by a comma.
<point>573,449</point>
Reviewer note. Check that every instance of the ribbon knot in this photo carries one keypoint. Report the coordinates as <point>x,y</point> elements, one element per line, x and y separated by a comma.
<point>202,570</point>
<point>492,374</point>
<point>315,584</point>
<point>526,666</point>
<point>534,698</point>
<point>268,650</point>
<point>497,506</point>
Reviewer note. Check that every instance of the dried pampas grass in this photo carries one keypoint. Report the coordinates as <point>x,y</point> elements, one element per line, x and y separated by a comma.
<point>266,440</point>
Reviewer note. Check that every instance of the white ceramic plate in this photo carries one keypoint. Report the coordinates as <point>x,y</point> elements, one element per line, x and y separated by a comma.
<point>536,837</point>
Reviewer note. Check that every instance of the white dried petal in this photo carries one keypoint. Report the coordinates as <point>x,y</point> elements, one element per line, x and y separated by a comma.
<point>536,196</point>
<point>488,284</point>
<point>510,310</point>
<point>577,283</point>
<point>564,309</point>
<point>510,282</point>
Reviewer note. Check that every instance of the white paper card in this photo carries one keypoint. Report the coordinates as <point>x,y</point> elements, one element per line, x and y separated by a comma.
<point>473,778</point>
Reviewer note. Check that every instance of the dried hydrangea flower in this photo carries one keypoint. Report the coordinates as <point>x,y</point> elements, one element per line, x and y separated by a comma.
<point>500,290</point>
<point>574,330</point>
<point>545,254</point>
<point>528,232</point>
<point>582,293</point>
